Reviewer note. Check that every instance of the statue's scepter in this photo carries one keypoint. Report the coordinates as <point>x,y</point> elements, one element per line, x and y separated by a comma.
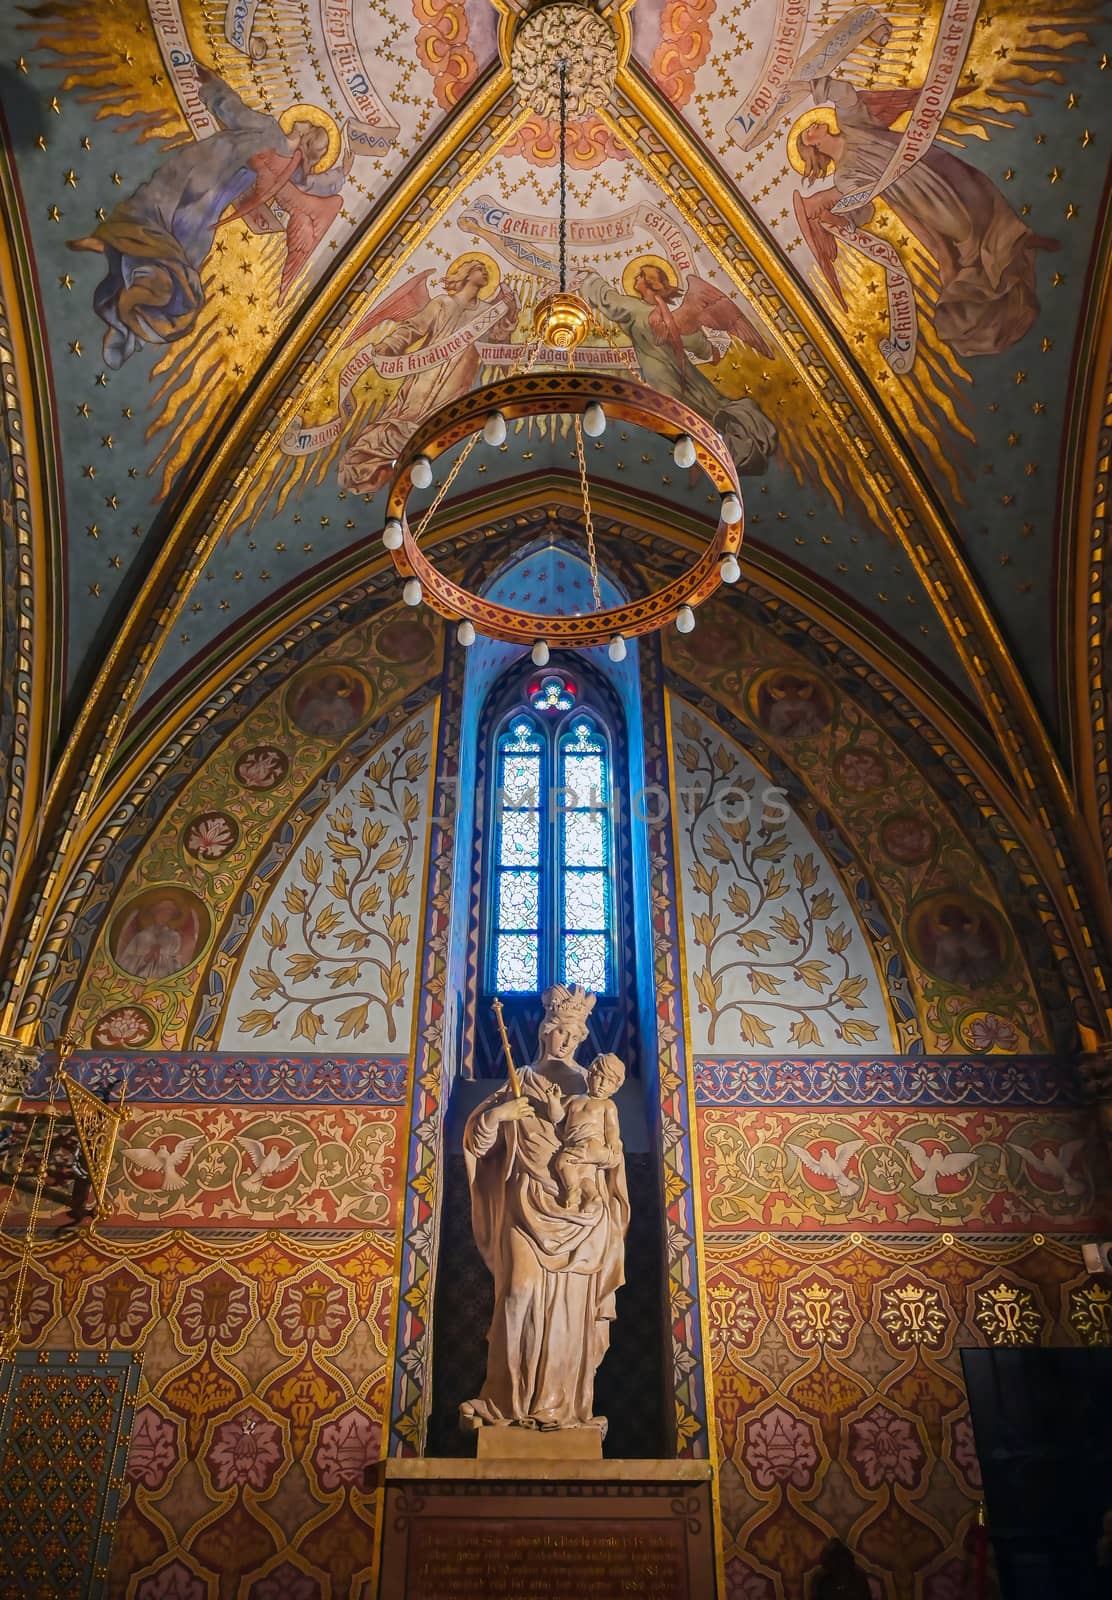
<point>515,1081</point>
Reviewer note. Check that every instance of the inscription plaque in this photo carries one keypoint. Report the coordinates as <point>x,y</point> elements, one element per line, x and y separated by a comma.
<point>508,1530</point>
<point>532,1561</point>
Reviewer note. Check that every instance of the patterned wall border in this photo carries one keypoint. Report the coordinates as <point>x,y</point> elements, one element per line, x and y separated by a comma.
<point>924,1080</point>
<point>18,647</point>
<point>196,1078</point>
<point>412,1369</point>
<point>677,1137</point>
<point>83,1364</point>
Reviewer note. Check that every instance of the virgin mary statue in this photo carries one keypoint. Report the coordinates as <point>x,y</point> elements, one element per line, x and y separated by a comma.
<point>555,1267</point>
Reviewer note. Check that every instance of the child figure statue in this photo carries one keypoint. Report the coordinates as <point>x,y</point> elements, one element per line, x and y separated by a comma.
<point>590,1143</point>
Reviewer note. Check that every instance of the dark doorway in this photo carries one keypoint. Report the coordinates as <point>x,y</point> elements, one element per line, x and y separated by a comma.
<point>1044,1439</point>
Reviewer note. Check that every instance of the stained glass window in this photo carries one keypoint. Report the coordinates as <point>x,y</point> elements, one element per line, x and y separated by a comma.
<point>517,879</point>
<point>552,910</point>
<point>553,692</point>
<point>583,954</point>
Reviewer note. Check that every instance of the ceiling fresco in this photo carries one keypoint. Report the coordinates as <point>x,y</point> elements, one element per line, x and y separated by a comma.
<point>252,243</point>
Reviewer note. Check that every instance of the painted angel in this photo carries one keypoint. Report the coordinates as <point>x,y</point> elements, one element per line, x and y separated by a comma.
<point>276,175</point>
<point>671,328</point>
<point>422,322</point>
<point>985,254</point>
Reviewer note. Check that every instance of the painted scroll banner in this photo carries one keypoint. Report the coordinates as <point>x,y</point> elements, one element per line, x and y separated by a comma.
<point>301,441</point>
<point>784,79</point>
<point>947,57</point>
<point>177,56</point>
<point>370,129</point>
<point>901,343</point>
<point>596,356</point>
<point>522,239</point>
<point>239,25</point>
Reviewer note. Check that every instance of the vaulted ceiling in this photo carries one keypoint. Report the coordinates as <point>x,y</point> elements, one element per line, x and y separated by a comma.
<point>249,243</point>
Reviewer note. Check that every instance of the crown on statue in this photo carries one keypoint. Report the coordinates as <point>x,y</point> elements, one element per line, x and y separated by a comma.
<point>562,1004</point>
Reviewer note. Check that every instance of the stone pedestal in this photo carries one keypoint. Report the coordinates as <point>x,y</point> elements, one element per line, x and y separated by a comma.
<point>531,1444</point>
<point>506,1529</point>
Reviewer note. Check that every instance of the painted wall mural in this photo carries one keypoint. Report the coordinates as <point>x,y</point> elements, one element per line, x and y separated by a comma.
<point>776,956</point>
<point>840,1401</point>
<point>969,978</point>
<point>260,1403</point>
<point>272,131</point>
<point>231,823</point>
<point>462,315</point>
<point>331,957</point>
<point>235,1169</point>
<point>900,1169</point>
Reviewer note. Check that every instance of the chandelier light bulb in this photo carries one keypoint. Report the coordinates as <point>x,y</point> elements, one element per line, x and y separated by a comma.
<point>540,654</point>
<point>731,508</point>
<point>683,451</point>
<point>685,620</point>
<point>465,633</point>
<point>616,649</point>
<point>494,428</point>
<point>594,421</point>
<point>411,594</point>
<point>421,472</point>
<point>729,570</point>
<point>392,534</point>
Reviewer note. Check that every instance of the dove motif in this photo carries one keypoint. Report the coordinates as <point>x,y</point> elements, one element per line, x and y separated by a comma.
<point>832,1165</point>
<point>1055,1163</point>
<point>268,1163</point>
<point>166,1161</point>
<point>937,1164</point>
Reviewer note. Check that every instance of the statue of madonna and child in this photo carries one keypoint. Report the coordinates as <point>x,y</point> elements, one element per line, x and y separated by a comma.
<point>550,1210</point>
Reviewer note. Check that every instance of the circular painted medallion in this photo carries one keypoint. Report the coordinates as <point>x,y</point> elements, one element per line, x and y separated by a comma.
<point>908,838</point>
<point>159,931</point>
<point>957,937</point>
<point>124,1028</point>
<point>327,702</point>
<point>210,835</point>
<point>790,705</point>
<point>262,767</point>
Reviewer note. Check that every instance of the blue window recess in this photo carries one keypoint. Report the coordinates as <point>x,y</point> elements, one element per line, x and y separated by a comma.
<point>552,913</point>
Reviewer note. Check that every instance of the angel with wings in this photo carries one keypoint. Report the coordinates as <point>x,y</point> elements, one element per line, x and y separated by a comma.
<point>277,175</point>
<point>984,253</point>
<point>671,329</point>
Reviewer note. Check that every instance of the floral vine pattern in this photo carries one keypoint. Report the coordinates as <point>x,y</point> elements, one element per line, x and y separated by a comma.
<point>332,964</point>
<point>781,960</point>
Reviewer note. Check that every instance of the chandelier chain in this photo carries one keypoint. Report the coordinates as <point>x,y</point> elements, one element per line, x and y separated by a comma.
<point>521,369</point>
<point>563,175</point>
<point>588,520</point>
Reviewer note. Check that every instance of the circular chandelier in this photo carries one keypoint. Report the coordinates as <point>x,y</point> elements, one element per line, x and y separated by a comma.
<point>563,56</point>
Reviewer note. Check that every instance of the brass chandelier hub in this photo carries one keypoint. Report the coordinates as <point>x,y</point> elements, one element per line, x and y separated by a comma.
<point>562,320</point>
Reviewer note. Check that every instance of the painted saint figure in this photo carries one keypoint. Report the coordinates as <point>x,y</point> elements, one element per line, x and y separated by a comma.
<point>670,330</point>
<point>422,323</point>
<point>984,252</point>
<point>277,175</point>
<point>556,1268</point>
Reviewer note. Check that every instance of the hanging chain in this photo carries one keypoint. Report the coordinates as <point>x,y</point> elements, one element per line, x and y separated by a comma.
<point>563,175</point>
<point>523,367</point>
<point>588,521</point>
